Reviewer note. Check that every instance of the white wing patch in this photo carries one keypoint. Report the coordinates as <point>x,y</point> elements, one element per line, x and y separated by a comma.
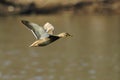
<point>49,28</point>
<point>34,34</point>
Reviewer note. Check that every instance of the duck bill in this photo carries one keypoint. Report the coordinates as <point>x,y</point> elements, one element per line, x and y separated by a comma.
<point>70,35</point>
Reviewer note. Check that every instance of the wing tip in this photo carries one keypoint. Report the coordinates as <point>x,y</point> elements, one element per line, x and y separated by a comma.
<point>24,21</point>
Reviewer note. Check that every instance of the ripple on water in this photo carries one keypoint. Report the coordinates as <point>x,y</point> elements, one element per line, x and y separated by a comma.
<point>37,78</point>
<point>52,70</point>
<point>51,77</point>
<point>23,72</point>
<point>39,70</point>
<point>33,53</point>
<point>93,77</point>
<point>117,68</point>
<point>13,52</point>
<point>54,61</point>
<point>84,64</point>
<point>62,77</point>
<point>0,74</point>
<point>7,63</point>
<point>6,77</point>
<point>35,63</point>
<point>92,71</point>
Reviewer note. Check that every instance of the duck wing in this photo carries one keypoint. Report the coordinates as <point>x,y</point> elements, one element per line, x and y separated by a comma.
<point>49,28</point>
<point>38,31</point>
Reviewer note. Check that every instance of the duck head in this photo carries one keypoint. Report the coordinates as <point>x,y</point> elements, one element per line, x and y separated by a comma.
<point>64,34</point>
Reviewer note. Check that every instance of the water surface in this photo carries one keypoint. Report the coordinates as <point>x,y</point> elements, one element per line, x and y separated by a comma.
<point>93,53</point>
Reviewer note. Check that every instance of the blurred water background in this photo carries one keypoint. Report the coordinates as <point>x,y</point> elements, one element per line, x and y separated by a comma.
<point>93,53</point>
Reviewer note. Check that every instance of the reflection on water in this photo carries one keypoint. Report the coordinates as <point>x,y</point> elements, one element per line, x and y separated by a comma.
<point>91,54</point>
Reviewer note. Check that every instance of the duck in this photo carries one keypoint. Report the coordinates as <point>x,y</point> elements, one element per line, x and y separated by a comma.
<point>44,34</point>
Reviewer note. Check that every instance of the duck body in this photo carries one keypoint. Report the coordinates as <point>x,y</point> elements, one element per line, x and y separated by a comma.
<point>44,42</point>
<point>44,35</point>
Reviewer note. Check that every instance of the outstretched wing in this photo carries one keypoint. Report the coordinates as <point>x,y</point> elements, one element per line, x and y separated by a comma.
<point>49,28</point>
<point>38,31</point>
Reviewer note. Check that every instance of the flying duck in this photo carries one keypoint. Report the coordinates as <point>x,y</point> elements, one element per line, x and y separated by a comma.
<point>44,35</point>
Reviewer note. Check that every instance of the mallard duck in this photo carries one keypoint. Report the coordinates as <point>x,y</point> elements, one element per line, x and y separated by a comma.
<point>44,35</point>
